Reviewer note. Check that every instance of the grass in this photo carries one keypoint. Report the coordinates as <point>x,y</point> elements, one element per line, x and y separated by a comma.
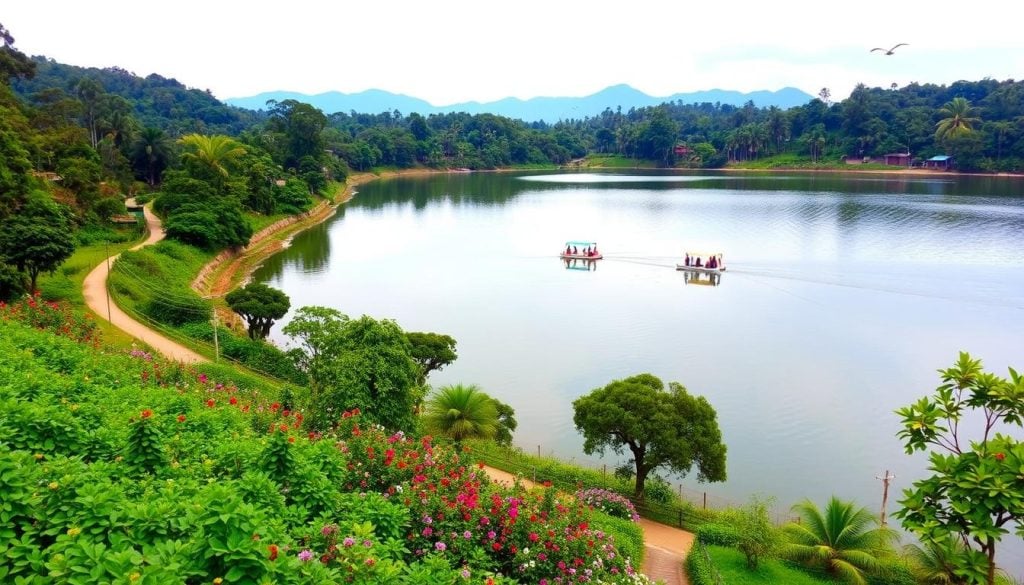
<point>615,161</point>
<point>732,565</point>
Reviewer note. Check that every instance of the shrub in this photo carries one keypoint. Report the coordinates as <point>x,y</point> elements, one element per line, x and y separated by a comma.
<point>714,533</point>
<point>609,502</point>
<point>699,567</point>
<point>56,317</point>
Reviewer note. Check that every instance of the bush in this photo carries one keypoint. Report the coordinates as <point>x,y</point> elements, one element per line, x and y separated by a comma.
<point>627,535</point>
<point>609,503</point>
<point>184,307</point>
<point>699,568</point>
<point>718,534</point>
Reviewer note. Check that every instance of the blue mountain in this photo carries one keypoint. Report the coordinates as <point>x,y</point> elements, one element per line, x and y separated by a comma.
<point>549,109</point>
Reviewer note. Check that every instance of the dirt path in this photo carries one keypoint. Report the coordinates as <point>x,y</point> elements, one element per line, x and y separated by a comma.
<point>94,289</point>
<point>665,547</point>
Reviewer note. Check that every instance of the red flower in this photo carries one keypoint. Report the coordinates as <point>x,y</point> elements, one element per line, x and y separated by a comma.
<point>999,456</point>
<point>181,418</point>
<point>275,407</point>
<point>147,413</point>
<point>284,428</point>
<point>286,413</point>
<point>273,551</point>
<point>547,483</point>
<point>233,400</point>
<point>210,403</point>
<point>291,439</point>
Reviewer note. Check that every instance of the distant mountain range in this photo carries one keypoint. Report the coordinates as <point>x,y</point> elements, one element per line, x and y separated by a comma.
<point>549,109</point>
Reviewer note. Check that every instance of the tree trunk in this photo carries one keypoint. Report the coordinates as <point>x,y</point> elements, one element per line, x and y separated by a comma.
<point>991,546</point>
<point>641,477</point>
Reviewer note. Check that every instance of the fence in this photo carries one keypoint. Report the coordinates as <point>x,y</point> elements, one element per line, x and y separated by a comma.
<point>673,505</point>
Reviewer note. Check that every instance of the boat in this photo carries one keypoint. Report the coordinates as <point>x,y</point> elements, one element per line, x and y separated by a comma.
<point>692,257</point>
<point>574,249</point>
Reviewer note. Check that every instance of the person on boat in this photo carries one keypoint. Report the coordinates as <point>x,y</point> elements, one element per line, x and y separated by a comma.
<point>686,260</point>
<point>574,251</point>
<point>711,262</point>
<point>587,250</point>
<point>698,262</point>
<point>568,249</point>
<point>594,251</point>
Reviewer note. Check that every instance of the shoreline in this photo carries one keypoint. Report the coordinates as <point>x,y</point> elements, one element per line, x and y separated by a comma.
<point>217,277</point>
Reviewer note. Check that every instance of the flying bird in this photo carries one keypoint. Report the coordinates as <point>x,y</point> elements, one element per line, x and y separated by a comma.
<point>889,51</point>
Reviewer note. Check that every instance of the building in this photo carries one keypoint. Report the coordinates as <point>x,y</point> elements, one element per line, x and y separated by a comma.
<point>942,161</point>
<point>898,159</point>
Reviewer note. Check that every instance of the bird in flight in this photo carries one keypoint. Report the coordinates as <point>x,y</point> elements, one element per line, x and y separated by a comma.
<point>889,51</point>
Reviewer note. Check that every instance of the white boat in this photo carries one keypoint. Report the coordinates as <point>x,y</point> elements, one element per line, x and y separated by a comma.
<point>581,251</point>
<point>698,262</point>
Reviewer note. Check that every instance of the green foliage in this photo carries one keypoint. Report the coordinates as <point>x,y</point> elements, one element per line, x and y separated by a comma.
<point>213,225</point>
<point>461,412</point>
<point>719,534</point>
<point>12,283</point>
<point>731,566</point>
<point>260,305</point>
<point>145,445</point>
<point>355,363</point>
<point>757,538</point>
<point>36,240</point>
<point>841,540</point>
<point>432,352</point>
<point>627,535</point>
<point>974,493</point>
<point>669,429</point>
<point>506,423</point>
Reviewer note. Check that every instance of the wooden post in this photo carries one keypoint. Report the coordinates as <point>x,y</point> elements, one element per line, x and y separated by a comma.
<point>705,500</point>
<point>604,469</point>
<point>216,342</point>
<point>538,450</point>
<point>888,477</point>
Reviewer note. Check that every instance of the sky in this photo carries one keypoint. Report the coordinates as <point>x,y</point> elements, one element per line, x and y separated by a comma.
<point>451,51</point>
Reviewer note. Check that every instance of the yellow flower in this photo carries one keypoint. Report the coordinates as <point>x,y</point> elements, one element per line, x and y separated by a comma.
<point>917,426</point>
<point>38,456</point>
<point>218,581</point>
<point>134,576</point>
<point>54,485</point>
<point>74,531</point>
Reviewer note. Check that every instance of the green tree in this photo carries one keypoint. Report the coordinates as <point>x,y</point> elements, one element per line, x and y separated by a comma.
<point>844,540</point>
<point>151,153</point>
<point>260,305</point>
<point>36,240</point>
<point>355,363</point>
<point>211,157</point>
<point>431,351</point>
<point>506,423</point>
<point>461,412</point>
<point>976,490</point>
<point>958,119</point>
<point>669,429</point>
<point>13,63</point>
<point>757,538</point>
<point>933,563</point>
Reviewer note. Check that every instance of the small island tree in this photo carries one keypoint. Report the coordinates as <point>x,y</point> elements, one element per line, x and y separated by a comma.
<point>976,491</point>
<point>260,305</point>
<point>661,428</point>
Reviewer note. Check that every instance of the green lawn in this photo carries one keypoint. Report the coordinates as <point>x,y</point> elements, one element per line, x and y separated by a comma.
<point>732,565</point>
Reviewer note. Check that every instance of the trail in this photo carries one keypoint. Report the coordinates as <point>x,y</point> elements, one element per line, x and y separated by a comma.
<point>94,289</point>
<point>665,546</point>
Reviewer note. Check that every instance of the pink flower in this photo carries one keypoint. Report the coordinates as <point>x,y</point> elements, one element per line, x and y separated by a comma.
<point>305,555</point>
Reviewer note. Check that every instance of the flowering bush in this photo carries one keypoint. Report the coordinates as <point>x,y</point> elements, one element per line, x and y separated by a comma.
<point>120,467</point>
<point>609,502</point>
<point>57,318</point>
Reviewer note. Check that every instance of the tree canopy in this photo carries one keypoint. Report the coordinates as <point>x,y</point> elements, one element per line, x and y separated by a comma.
<point>461,412</point>
<point>661,428</point>
<point>431,351</point>
<point>36,240</point>
<point>260,305</point>
<point>976,491</point>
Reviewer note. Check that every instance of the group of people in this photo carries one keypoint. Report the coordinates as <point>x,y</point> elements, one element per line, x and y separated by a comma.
<point>589,251</point>
<point>712,262</point>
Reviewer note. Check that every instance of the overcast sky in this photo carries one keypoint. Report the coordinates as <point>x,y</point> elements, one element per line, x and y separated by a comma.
<point>448,51</point>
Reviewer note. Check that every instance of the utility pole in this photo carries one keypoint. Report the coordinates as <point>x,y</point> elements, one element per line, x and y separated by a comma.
<point>216,343</point>
<point>885,490</point>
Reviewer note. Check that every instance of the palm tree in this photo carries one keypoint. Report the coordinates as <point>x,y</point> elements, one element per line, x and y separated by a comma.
<point>151,151</point>
<point>933,564</point>
<point>212,153</point>
<point>461,412</point>
<point>957,120</point>
<point>841,540</point>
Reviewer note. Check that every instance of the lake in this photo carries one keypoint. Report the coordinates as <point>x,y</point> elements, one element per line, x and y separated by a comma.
<point>843,296</point>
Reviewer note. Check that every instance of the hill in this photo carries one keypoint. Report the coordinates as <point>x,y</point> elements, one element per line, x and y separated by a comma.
<point>549,109</point>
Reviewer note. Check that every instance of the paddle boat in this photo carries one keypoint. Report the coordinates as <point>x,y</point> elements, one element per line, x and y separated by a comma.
<point>702,262</point>
<point>581,250</point>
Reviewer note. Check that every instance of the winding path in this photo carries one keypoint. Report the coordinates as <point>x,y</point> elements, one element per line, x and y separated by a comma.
<point>665,547</point>
<point>94,289</point>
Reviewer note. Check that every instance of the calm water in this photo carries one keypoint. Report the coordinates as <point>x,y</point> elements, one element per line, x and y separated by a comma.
<point>843,297</point>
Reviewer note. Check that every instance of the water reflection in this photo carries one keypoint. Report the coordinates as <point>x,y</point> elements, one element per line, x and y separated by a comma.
<point>580,264</point>
<point>702,278</point>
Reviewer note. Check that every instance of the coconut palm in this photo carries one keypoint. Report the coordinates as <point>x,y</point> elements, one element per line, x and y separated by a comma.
<point>461,412</point>
<point>957,119</point>
<point>151,152</point>
<point>933,563</point>
<point>843,540</point>
<point>213,154</point>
